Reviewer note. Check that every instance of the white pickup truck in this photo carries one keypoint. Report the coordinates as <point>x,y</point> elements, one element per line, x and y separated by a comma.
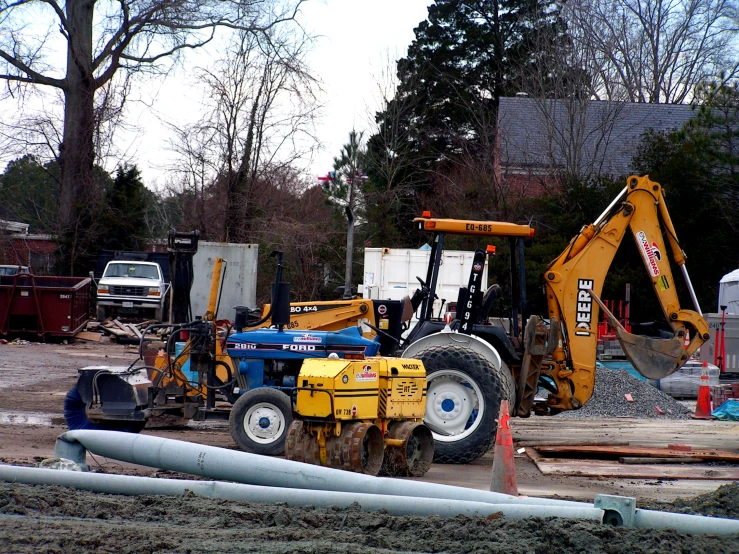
<point>132,288</point>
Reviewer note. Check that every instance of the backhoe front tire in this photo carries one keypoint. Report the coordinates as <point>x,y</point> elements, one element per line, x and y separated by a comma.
<point>259,421</point>
<point>462,401</point>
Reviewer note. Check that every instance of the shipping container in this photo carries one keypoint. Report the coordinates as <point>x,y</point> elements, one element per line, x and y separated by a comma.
<point>46,306</point>
<point>239,283</point>
<point>730,351</point>
<point>392,273</point>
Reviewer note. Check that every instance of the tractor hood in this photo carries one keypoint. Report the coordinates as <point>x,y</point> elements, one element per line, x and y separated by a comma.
<point>274,344</point>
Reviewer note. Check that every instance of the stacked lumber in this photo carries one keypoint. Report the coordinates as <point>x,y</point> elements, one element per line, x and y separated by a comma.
<point>117,330</point>
<point>635,462</point>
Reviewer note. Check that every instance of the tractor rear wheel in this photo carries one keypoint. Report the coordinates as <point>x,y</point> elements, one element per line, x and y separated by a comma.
<point>75,416</point>
<point>462,401</point>
<point>259,421</point>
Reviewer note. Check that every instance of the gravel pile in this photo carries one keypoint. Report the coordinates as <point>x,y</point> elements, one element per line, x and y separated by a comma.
<point>608,399</point>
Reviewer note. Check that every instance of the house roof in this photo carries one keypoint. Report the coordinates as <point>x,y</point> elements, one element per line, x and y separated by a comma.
<point>14,227</point>
<point>589,137</point>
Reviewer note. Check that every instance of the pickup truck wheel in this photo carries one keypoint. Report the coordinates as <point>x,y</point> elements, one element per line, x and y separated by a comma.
<point>76,417</point>
<point>102,314</point>
<point>462,402</point>
<point>259,421</point>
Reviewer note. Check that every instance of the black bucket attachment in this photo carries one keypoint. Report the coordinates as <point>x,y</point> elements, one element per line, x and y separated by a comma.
<point>652,357</point>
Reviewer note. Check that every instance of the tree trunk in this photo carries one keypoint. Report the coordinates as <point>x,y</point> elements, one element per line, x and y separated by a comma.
<point>237,196</point>
<point>77,153</point>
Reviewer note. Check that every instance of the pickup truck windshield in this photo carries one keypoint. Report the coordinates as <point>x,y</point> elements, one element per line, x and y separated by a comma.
<point>132,270</point>
<point>12,269</point>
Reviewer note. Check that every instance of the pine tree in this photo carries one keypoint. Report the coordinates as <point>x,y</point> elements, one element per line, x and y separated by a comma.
<point>125,221</point>
<point>466,55</point>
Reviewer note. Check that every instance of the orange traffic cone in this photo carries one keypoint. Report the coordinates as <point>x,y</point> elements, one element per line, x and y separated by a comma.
<point>686,343</point>
<point>504,467</point>
<point>703,406</point>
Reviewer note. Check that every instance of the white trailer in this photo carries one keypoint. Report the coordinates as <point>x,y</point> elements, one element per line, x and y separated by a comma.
<point>728,292</point>
<point>391,273</point>
<point>239,284</point>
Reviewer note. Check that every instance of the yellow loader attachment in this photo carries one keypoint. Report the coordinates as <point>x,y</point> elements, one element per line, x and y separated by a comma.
<point>652,357</point>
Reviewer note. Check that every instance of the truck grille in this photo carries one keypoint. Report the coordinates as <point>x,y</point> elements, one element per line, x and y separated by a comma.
<point>123,290</point>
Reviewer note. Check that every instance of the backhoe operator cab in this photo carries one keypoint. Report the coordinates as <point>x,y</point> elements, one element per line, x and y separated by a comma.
<point>468,361</point>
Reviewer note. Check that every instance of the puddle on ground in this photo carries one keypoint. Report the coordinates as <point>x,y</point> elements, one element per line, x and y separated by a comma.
<point>30,418</point>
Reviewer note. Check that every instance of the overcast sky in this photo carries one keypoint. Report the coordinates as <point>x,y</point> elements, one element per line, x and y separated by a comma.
<point>355,36</point>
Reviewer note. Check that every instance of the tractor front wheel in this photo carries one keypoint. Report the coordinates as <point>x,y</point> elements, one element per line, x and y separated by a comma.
<point>259,421</point>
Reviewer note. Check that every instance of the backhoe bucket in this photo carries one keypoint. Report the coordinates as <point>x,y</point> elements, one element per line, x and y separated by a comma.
<point>653,358</point>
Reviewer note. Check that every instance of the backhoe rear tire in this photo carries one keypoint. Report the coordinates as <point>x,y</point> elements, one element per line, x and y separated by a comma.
<point>460,382</point>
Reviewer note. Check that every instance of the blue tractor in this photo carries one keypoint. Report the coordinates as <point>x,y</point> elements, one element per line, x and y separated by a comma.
<point>254,370</point>
<point>266,364</point>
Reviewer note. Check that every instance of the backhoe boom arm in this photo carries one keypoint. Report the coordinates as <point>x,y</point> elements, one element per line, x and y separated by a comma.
<point>574,282</point>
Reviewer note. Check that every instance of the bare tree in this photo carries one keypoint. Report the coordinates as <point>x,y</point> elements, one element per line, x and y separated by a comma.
<point>654,50</point>
<point>572,132</point>
<point>260,109</point>
<point>389,151</point>
<point>103,39</point>
<point>192,177</point>
<point>261,117</point>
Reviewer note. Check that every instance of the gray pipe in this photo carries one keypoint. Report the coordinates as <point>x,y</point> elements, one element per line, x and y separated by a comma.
<point>396,505</point>
<point>242,467</point>
<point>685,523</point>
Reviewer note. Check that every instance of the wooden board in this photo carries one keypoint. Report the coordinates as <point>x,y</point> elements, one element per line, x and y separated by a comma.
<point>87,335</point>
<point>118,332</point>
<point>120,325</point>
<point>135,330</point>
<point>641,451</point>
<point>600,468</point>
<point>564,442</point>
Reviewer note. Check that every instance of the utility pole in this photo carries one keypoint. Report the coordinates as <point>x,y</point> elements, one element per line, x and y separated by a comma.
<point>349,253</point>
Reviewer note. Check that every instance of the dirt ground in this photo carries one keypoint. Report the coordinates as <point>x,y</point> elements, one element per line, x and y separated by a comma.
<point>34,379</point>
